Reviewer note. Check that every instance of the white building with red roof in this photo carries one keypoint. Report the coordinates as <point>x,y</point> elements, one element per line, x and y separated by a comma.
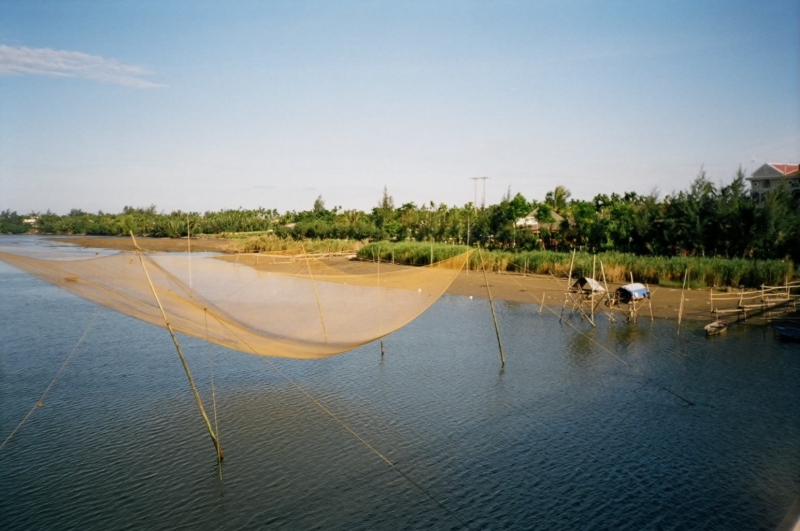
<point>771,175</point>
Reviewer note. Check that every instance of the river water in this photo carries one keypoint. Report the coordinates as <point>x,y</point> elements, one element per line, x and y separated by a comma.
<point>568,436</point>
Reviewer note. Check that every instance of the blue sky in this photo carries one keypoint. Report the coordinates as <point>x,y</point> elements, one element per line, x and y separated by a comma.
<point>203,106</point>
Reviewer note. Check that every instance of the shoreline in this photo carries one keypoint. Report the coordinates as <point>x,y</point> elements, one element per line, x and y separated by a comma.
<point>124,243</point>
<point>510,287</point>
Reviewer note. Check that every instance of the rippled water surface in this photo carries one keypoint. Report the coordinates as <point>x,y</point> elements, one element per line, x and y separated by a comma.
<point>566,437</point>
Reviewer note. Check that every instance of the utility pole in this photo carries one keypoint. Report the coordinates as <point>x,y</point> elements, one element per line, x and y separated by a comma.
<point>483,201</point>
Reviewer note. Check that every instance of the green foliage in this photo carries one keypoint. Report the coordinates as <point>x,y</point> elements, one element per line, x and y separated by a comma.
<point>704,221</point>
<point>12,223</point>
<point>616,266</point>
<point>271,243</point>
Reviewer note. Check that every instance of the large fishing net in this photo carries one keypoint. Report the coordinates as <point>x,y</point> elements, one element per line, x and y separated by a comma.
<point>284,306</point>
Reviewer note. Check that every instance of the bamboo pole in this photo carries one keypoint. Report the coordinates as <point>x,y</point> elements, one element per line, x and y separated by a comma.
<point>680,311</point>
<point>494,315</point>
<point>542,305</point>
<point>711,298</point>
<point>594,265</point>
<point>380,306</point>
<point>608,295</point>
<point>189,246</point>
<point>632,309</point>
<point>220,454</point>
<point>569,284</point>
<point>468,242</point>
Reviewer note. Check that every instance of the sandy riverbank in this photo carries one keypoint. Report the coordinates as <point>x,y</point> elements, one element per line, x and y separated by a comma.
<point>120,243</point>
<point>525,289</point>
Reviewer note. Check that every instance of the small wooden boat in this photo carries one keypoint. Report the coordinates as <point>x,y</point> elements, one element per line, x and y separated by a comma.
<point>788,333</point>
<point>716,328</point>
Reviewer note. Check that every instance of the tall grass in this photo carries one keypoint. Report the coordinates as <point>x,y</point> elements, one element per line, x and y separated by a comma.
<point>270,243</point>
<point>235,235</point>
<point>410,253</point>
<point>703,271</point>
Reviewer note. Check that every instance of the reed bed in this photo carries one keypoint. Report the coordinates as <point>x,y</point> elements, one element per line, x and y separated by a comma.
<point>271,243</point>
<point>235,235</point>
<point>703,271</point>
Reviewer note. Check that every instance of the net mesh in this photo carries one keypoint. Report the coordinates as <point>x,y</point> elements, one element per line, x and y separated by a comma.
<point>283,305</point>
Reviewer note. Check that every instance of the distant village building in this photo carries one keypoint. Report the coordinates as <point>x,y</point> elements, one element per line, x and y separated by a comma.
<point>30,221</point>
<point>531,222</point>
<point>770,175</point>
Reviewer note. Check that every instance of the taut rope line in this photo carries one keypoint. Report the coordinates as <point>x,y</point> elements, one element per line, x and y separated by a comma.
<point>316,296</point>
<point>634,369</point>
<point>348,428</point>
<point>40,402</point>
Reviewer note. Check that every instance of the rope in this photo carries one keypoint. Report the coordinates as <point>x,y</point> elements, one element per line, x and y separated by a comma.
<point>349,429</point>
<point>368,445</point>
<point>40,402</point>
<point>316,296</point>
<point>634,369</point>
<point>324,409</point>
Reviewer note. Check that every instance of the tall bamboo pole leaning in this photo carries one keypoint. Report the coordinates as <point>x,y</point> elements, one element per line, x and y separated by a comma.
<point>594,264</point>
<point>569,284</point>
<point>189,248</point>
<point>711,298</point>
<point>633,315</point>
<point>680,310</point>
<point>608,295</point>
<point>380,305</point>
<point>494,315</point>
<point>220,453</point>
<point>468,241</point>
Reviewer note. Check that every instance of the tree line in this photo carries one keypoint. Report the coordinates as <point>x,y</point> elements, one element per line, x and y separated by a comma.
<point>705,220</point>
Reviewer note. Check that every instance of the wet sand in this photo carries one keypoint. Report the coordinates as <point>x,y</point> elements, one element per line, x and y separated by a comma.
<point>513,287</point>
<point>121,243</point>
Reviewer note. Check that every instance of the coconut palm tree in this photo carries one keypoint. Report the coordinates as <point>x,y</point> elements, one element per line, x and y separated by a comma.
<point>557,199</point>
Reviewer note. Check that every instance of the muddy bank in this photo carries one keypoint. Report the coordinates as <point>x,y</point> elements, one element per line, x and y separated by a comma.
<point>148,244</point>
<point>525,289</point>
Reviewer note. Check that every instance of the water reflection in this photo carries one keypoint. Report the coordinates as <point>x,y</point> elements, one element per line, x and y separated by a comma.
<point>565,436</point>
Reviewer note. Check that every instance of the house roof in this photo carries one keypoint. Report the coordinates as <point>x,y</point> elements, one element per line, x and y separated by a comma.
<point>556,217</point>
<point>785,168</point>
<point>775,170</point>
<point>532,222</point>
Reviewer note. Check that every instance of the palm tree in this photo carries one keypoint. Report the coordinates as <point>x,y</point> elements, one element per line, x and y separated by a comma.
<point>557,199</point>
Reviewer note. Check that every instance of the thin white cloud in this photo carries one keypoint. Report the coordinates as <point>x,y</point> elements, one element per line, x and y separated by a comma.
<point>62,63</point>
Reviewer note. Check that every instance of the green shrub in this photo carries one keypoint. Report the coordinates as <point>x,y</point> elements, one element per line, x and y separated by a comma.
<point>617,266</point>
